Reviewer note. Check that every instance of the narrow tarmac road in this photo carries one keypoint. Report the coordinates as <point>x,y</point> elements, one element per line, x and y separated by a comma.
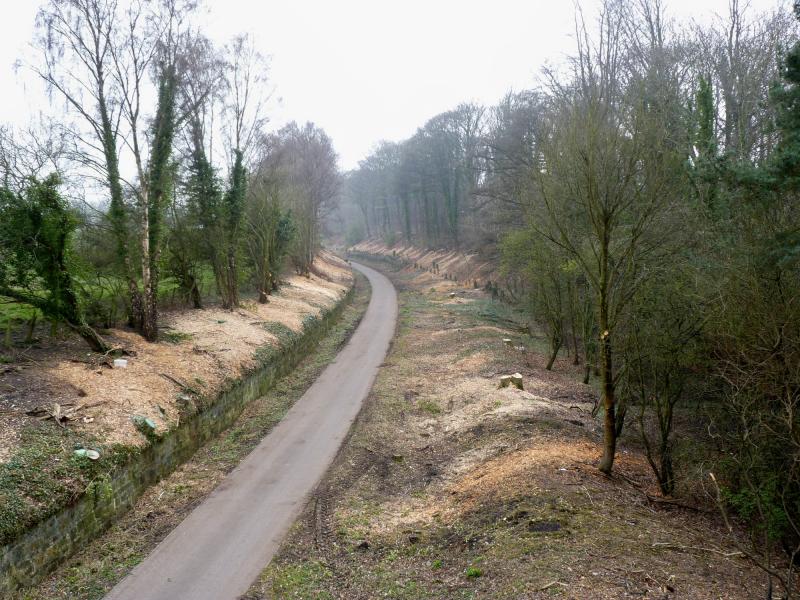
<point>223,545</point>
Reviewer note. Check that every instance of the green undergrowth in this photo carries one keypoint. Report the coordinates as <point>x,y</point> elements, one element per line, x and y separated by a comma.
<point>175,337</point>
<point>303,580</point>
<point>280,331</point>
<point>104,298</point>
<point>14,313</point>
<point>45,474</point>
<point>284,337</point>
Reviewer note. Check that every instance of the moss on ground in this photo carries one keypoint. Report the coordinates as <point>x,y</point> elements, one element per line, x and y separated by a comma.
<point>44,474</point>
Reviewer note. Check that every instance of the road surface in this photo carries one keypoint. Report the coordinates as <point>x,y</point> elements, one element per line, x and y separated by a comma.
<point>223,545</point>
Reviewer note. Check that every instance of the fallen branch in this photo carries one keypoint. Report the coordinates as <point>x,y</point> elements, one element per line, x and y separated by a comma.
<point>549,585</point>
<point>180,384</point>
<point>42,410</point>
<point>122,351</point>
<point>655,499</point>
<point>91,404</point>
<point>671,502</point>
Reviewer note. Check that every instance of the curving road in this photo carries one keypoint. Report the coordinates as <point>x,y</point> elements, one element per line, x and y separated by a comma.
<point>222,546</point>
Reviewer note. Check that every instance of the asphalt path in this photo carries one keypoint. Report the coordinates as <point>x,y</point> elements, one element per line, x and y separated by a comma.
<point>223,545</point>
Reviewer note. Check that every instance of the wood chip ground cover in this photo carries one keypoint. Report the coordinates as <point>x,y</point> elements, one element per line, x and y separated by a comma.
<point>452,488</point>
<point>203,351</point>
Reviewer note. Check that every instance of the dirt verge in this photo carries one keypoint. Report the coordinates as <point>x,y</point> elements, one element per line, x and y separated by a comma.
<point>450,487</point>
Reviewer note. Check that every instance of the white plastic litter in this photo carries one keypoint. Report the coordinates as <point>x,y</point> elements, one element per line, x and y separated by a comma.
<point>90,454</point>
<point>120,363</point>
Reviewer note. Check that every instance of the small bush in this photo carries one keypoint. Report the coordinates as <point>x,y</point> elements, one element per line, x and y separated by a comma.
<point>473,573</point>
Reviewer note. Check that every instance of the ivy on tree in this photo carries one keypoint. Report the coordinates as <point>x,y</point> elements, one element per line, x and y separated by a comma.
<point>36,259</point>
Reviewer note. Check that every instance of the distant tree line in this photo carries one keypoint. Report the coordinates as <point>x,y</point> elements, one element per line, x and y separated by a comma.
<point>156,173</point>
<point>647,196</point>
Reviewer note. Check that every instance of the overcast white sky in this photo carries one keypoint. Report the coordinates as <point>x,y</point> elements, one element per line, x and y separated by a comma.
<point>371,70</point>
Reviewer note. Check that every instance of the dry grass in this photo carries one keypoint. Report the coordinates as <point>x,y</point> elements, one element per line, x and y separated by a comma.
<point>462,267</point>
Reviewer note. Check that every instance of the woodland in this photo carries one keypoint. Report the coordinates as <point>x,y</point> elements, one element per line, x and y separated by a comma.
<point>156,180</point>
<point>642,201</point>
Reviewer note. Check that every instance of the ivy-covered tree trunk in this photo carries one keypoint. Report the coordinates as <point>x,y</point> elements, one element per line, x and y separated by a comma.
<point>155,197</point>
<point>233,204</point>
<point>117,214</point>
<point>36,230</point>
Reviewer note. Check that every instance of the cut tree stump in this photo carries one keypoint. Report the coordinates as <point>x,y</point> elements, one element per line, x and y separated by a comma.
<point>511,380</point>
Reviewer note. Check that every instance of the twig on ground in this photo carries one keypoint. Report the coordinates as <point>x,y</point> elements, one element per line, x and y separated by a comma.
<point>547,586</point>
<point>672,546</point>
<point>179,383</point>
<point>656,500</point>
<point>91,404</point>
<point>677,503</point>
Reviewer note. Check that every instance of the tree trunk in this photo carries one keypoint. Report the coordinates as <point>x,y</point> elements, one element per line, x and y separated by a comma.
<point>31,327</point>
<point>136,305</point>
<point>189,288</point>
<point>149,325</point>
<point>609,402</point>
<point>555,346</point>
<point>576,359</point>
<point>230,298</point>
<point>197,301</point>
<point>150,316</point>
<point>666,480</point>
<point>116,213</point>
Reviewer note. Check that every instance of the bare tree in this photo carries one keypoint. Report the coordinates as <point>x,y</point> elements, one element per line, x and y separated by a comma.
<point>604,184</point>
<point>305,160</point>
<point>75,38</point>
<point>107,62</point>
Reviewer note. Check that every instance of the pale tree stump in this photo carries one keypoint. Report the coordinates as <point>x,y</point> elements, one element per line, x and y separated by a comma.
<point>514,380</point>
